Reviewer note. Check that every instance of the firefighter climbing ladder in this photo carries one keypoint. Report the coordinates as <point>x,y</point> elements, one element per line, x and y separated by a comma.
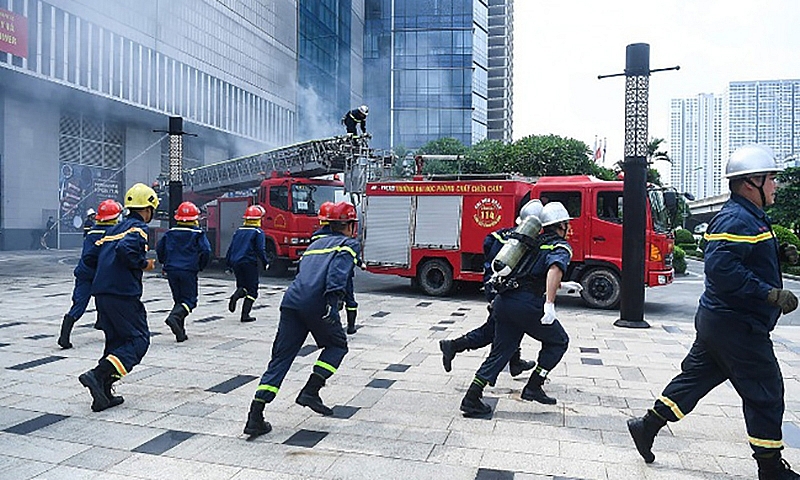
<point>311,158</point>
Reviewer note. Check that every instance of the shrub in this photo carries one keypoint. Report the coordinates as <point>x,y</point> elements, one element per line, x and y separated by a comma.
<point>684,237</point>
<point>785,235</point>
<point>679,260</point>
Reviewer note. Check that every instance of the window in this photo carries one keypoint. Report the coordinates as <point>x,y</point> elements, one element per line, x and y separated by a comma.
<point>571,200</point>
<point>609,206</point>
<point>279,197</point>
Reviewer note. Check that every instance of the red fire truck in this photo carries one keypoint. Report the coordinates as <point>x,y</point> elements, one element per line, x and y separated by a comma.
<point>432,231</point>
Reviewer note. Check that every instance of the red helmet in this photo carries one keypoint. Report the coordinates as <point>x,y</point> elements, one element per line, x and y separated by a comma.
<point>254,212</point>
<point>108,210</point>
<point>187,212</point>
<point>342,212</point>
<point>325,210</point>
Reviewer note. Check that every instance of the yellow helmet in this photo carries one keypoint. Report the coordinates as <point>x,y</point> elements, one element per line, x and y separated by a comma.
<point>141,196</point>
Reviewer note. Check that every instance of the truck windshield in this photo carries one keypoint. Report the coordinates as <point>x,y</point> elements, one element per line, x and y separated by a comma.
<point>306,199</point>
<point>658,210</point>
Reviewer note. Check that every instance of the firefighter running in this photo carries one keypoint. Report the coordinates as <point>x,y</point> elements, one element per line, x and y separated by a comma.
<point>184,250</point>
<point>117,288</point>
<point>311,304</point>
<point>524,305</point>
<point>248,247</point>
<point>107,216</point>
<point>743,298</point>
<point>483,335</point>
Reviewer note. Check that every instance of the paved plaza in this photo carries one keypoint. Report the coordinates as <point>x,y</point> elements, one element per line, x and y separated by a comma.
<point>396,410</point>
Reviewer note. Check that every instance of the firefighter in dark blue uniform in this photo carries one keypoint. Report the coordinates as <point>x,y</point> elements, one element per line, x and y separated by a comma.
<point>483,335</point>
<point>248,247</point>
<point>88,223</point>
<point>117,290</point>
<point>350,304</point>
<point>311,304</point>
<point>743,298</point>
<point>184,250</point>
<point>108,215</point>
<point>525,305</point>
<point>354,118</point>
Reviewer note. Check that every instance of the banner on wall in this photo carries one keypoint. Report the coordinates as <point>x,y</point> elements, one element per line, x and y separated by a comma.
<point>13,33</point>
<point>82,187</point>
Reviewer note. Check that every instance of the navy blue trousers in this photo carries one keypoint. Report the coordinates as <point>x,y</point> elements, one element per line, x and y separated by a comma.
<point>727,348</point>
<point>123,320</point>
<point>80,297</point>
<point>183,284</point>
<point>293,328</point>
<point>517,315</point>
<point>247,278</point>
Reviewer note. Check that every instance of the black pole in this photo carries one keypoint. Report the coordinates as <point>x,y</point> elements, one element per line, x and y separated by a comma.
<point>634,191</point>
<point>175,167</point>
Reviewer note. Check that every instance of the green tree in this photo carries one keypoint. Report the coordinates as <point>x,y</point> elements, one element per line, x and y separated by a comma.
<point>786,209</point>
<point>444,146</point>
<point>540,155</point>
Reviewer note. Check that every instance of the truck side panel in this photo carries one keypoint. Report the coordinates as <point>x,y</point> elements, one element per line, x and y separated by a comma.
<point>230,219</point>
<point>387,230</point>
<point>438,222</point>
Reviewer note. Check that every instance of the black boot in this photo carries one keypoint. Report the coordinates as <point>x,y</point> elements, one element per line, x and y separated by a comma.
<point>108,389</point>
<point>517,365</point>
<point>775,468</point>
<point>472,404</point>
<point>643,430</point>
<point>175,322</point>
<point>449,350</point>
<point>256,425</point>
<point>533,390</point>
<point>309,395</point>
<point>247,305</point>
<point>239,293</point>
<point>351,321</point>
<point>66,330</point>
<point>95,380</point>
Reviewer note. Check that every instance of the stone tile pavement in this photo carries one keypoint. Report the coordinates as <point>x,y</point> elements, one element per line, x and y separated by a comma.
<point>396,409</point>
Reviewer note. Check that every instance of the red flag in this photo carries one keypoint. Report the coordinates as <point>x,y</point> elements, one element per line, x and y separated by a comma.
<point>598,154</point>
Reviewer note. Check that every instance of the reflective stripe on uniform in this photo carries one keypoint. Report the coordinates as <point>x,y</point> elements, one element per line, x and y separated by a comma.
<point>730,237</point>
<point>354,118</point>
<point>117,365</point>
<point>268,388</point>
<point>760,442</point>
<point>326,366</point>
<point>342,248</point>
<point>90,232</point>
<point>113,238</point>
<point>672,406</point>
<point>499,238</point>
<point>351,309</point>
<point>558,245</point>
<point>186,229</point>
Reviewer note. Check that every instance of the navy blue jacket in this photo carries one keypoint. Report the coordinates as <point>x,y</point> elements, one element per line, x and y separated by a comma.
<point>741,264</point>
<point>247,246</point>
<point>121,257</point>
<point>532,269</point>
<point>326,267</point>
<point>184,248</point>
<point>83,270</point>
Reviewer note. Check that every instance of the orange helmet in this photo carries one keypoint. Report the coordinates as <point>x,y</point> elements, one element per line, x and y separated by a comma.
<point>187,212</point>
<point>325,211</point>
<point>342,212</point>
<point>108,210</point>
<point>254,212</point>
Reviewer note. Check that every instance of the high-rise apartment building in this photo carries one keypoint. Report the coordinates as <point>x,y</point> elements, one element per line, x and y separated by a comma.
<point>426,63</point>
<point>766,112</point>
<point>501,60</point>
<point>696,145</point>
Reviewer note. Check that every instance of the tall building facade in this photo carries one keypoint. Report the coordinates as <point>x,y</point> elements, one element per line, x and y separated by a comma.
<point>696,145</point>
<point>500,105</point>
<point>426,64</point>
<point>766,112</point>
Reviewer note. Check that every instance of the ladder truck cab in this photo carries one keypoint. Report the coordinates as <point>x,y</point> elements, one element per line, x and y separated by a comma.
<point>432,231</point>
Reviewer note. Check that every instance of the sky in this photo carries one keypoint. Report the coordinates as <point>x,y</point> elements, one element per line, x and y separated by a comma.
<point>561,46</point>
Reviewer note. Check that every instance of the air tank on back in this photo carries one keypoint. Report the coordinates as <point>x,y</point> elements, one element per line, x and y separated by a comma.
<point>509,256</point>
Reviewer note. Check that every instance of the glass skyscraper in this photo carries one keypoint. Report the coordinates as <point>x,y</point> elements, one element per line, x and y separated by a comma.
<point>427,61</point>
<point>501,62</point>
<point>696,145</point>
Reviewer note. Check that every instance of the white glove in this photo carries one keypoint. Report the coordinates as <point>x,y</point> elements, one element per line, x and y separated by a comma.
<point>549,313</point>
<point>572,287</point>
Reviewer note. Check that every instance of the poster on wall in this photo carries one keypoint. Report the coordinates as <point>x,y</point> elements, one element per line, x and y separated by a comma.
<point>82,187</point>
<point>13,33</point>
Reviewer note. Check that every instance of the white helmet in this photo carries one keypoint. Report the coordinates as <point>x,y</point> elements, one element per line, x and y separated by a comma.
<point>90,212</point>
<point>552,213</point>
<point>533,207</point>
<point>751,159</point>
<point>363,109</point>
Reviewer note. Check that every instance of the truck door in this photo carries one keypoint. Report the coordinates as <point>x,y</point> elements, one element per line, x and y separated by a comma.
<point>278,207</point>
<point>606,233</point>
<point>577,234</point>
<point>387,230</point>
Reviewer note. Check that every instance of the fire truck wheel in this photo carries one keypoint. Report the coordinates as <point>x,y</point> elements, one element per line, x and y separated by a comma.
<point>601,288</point>
<point>435,277</point>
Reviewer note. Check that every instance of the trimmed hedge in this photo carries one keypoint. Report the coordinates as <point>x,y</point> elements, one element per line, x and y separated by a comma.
<point>684,237</point>
<point>679,260</point>
<point>785,235</point>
